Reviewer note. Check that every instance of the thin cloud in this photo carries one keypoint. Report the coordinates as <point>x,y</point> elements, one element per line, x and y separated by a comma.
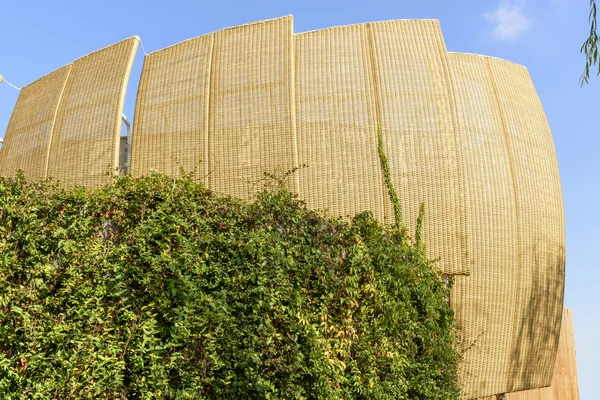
<point>509,21</point>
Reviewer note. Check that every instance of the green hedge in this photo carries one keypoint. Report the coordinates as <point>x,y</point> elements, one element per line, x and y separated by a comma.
<point>158,288</point>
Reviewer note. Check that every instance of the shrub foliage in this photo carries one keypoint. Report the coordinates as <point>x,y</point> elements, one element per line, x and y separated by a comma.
<point>158,288</point>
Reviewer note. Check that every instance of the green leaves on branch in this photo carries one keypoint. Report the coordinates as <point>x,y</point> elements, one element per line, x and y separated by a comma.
<point>157,288</point>
<point>590,46</point>
<point>389,185</point>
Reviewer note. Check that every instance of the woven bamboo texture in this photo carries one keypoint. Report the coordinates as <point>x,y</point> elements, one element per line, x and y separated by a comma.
<point>85,141</point>
<point>509,307</point>
<point>541,231</point>
<point>171,116</point>
<point>417,116</point>
<point>27,139</point>
<point>483,302</point>
<point>564,380</point>
<point>251,114</point>
<point>336,122</point>
<point>464,134</point>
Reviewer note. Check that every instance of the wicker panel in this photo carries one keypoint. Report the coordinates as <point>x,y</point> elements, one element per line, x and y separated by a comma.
<point>515,227</point>
<point>251,106</point>
<point>29,132</point>
<point>171,116</point>
<point>540,277</point>
<point>417,116</point>
<point>336,122</point>
<point>85,141</point>
<point>484,311</point>
<point>564,380</point>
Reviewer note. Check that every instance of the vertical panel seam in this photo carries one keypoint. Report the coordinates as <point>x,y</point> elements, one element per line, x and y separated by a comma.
<point>207,97</point>
<point>511,360</point>
<point>54,120</point>
<point>459,154</point>
<point>209,102</point>
<point>371,56</point>
<point>292,99</point>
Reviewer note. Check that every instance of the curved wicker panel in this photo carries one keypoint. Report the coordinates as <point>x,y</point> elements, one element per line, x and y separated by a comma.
<point>171,116</point>
<point>251,106</point>
<point>417,117</point>
<point>84,148</point>
<point>469,139</point>
<point>29,132</point>
<point>540,218</point>
<point>484,301</point>
<point>336,122</point>
<point>464,134</point>
<point>510,306</point>
<point>564,380</point>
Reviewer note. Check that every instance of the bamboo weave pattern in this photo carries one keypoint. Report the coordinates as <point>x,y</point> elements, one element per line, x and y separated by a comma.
<point>251,106</point>
<point>540,219</point>
<point>417,118</point>
<point>484,311</point>
<point>171,115</point>
<point>336,119</point>
<point>66,125</point>
<point>464,134</point>
<point>27,140</point>
<point>564,380</point>
<point>515,226</point>
<point>85,141</point>
<point>258,123</point>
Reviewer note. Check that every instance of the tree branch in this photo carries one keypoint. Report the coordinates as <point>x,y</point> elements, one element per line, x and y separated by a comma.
<point>590,47</point>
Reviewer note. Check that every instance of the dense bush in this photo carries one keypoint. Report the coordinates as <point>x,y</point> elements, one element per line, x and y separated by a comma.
<point>157,288</point>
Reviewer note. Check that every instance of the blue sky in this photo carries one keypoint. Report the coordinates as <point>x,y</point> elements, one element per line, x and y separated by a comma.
<point>545,36</point>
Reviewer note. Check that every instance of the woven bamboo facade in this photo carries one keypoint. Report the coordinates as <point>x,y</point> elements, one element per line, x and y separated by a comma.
<point>564,379</point>
<point>66,125</point>
<point>27,139</point>
<point>240,102</point>
<point>464,134</point>
<point>515,228</point>
<point>335,120</point>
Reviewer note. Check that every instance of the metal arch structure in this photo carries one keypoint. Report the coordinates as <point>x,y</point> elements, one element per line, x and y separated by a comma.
<point>464,134</point>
